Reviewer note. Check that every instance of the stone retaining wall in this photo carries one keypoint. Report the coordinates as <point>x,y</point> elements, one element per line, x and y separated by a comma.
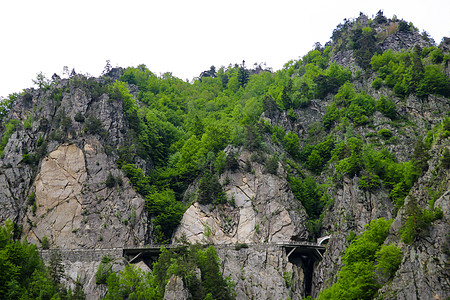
<point>83,255</point>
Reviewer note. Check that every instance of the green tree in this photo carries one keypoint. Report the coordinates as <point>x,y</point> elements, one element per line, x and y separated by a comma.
<point>183,261</point>
<point>363,43</point>
<point>210,190</point>
<point>388,259</point>
<point>307,191</point>
<point>44,242</point>
<point>198,127</point>
<point>23,274</point>
<point>315,161</point>
<point>421,156</point>
<point>434,82</point>
<point>386,107</point>
<point>165,210</point>
<point>56,267</point>
<point>364,256</point>
<point>445,159</point>
<point>93,126</point>
<point>6,105</point>
<point>286,95</point>
<point>416,221</point>
<point>132,283</point>
<point>272,165</point>
<point>41,81</point>
<point>291,143</point>
<point>243,75</point>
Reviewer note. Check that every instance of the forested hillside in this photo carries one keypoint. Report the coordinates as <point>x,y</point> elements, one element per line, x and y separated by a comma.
<point>354,135</point>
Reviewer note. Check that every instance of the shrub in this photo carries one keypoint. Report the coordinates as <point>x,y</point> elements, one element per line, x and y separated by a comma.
<point>34,208</point>
<point>445,159</point>
<point>103,272</point>
<point>110,180</point>
<point>291,144</point>
<point>287,276</point>
<point>445,128</point>
<point>10,128</point>
<point>437,56</point>
<point>331,115</point>
<point>79,117</point>
<point>385,133</point>
<point>417,221</point>
<point>403,26</point>
<point>240,246</point>
<point>315,161</point>
<point>377,83</point>
<point>386,107</point>
<point>93,126</point>
<point>45,243</point>
<point>365,255</point>
<point>210,190</point>
<point>31,198</point>
<point>388,259</point>
<point>248,166</point>
<point>30,159</point>
<point>28,123</point>
<point>272,165</point>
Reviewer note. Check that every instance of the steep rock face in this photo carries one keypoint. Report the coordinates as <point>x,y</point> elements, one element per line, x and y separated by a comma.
<point>388,35</point>
<point>75,218</point>
<point>58,190</point>
<point>265,213</point>
<point>353,208</point>
<point>404,40</point>
<point>263,272</point>
<point>15,177</point>
<point>175,289</point>
<point>304,118</point>
<point>424,270</point>
<point>63,168</point>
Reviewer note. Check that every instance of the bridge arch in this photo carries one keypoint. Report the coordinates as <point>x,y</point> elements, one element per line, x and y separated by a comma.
<point>323,240</point>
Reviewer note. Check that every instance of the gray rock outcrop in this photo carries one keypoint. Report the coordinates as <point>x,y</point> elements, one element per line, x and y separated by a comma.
<point>175,289</point>
<point>265,213</point>
<point>53,176</point>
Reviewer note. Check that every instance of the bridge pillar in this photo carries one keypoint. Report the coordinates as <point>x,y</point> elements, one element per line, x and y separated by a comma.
<point>305,257</point>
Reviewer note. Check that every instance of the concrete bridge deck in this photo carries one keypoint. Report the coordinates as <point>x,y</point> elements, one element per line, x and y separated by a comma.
<point>134,253</point>
<point>152,252</point>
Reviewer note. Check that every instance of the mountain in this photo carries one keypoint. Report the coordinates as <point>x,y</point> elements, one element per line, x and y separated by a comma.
<point>326,179</point>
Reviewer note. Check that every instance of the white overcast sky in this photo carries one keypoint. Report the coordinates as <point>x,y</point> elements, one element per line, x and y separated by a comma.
<point>182,37</point>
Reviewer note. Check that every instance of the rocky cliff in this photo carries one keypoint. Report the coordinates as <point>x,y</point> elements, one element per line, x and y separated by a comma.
<point>54,176</point>
<point>263,213</point>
